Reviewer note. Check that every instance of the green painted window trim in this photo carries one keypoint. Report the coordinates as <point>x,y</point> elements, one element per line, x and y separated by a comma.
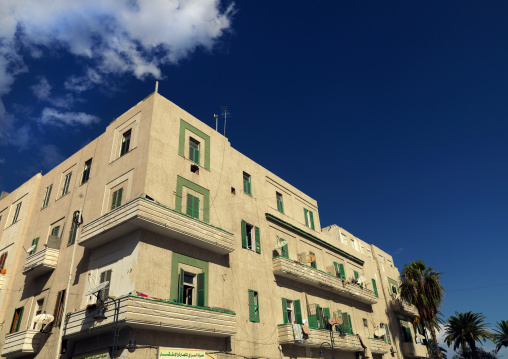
<point>181,147</point>
<point>173,210</point>
<point>183,305</point>
<point>72,233</point>
<point>311,237</point>
<point>394,283</point>
<point>253,305</point>
<point>180,258</point>
<point>247,184</point>
<point>182,182</point>
<point>374,287</point>
<point>280,202</point>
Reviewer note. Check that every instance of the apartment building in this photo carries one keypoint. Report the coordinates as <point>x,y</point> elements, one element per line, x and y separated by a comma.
<point>159,231</point>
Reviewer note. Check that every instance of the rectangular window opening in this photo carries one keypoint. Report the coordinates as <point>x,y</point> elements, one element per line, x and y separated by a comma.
<point>233,190</point>
<point>253,306</point>
<point>280,203</point>
<point>194,169</point>
<point>72,233</point>
<point>59,306</point>
<point>16,320</point>
<point>192,206</point>
<point>38,310</point>
<point>247,184</point>
<point>67,181</point>
<point>116,200</point>
<point>126,142</point>
<point>194,147</point>
<point>16,213</point>
<point>105,277</point>
<point>46,196</point>
<point>86,171</point>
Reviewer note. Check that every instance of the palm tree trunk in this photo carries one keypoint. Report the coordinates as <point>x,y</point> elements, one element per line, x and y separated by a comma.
<point>434,337</point>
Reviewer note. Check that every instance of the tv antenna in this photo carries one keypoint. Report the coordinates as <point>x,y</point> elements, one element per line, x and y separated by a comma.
<point>216,122</point>
<point>97,288</point>
<point>225,113</point>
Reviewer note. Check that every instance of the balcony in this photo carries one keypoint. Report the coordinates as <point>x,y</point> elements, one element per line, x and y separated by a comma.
<point>378,346</point>
<point>404,308</point>
<point>150,314</point>
<point>414,350</point>
<point>302,273</point>
<point>22,343</point>
<point>318,336</point>
<point>142,213</point>
<point>41,262</point>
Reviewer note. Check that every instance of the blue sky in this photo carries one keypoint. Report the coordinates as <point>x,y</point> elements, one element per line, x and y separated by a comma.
<point>391,115</point>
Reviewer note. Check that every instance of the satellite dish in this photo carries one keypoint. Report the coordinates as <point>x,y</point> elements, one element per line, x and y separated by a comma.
<point>97,288</point>
<point>311,258</point>
<point>335,321</point>
<point>379,332</point>
<point>420,336</point>
<point>31,248</point>
<point>43,318</point>
<point>361,280</point>
<point>281,244</point>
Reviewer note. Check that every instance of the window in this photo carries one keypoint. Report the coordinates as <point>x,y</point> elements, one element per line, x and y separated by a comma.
<point>381,258</point>
<point>116,200</point>
<point>387,330</point>
<point>316,316</point>
<point>362,249</point>
<point>313,264</point>
<point>55,231</point>
<point>38,310</point>
<point>356,275</point>
<point>365,324</point>
<point>407,337</point>
<point>291,311</point>
<point>16,320</point>
<point>253,306</point>
<point>309,218</point>
<point>194,150</point>
<point>105,277</point>
<point>394,287</point>
<point>191,288</point>
<point>59,307</point>
<point>343,238</point>
<point>284,250</point>
<point>374,287</point>
<point>86,171</point>
<point>192,206</point>
<point>369,253</point>
<point>35,242</point>
<point>247,184</point>
<point>354,244</point>
<point>67,181</point>
<point>72,233</point>
<point>251,238</point>
<point>280,204</point>
<point>46,196</point>
<point>126,141</point>
<point>16,213</point>
<point>340,270</point>
<point>3,258</point>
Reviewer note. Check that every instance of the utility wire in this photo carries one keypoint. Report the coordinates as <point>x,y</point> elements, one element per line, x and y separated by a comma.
<point>473,288</point>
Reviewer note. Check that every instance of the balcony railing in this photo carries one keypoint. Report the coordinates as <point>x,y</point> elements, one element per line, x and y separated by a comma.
<point>142,213</point>
<point>414,350</point>
<point>22,343</point>
<point>378,346</point>
<point>318,336</point>
<point>41,262</point>
<point>302,273</point>
<point>404,308</point>
<point>139,312</point>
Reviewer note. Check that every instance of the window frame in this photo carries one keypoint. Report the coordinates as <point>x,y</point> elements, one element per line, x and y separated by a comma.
<point>66,185</point>
<point>247,184</point>
<point>194,152</point>
<point>191,211</point>
<point>125,142</point>
<point>3,258</point>
<point>280,202</point>
<point>254,306</point>
<point>72,233</point>
<point>16,320</point>
<point>35,242</point>
<point>103,277</point>
<point>309,218</point>
<point>86,171</point>
<point>16,212</point>
<point>59,304</point>
<point>116,199</point>
<point>45,202</point>
<point>255,237</point>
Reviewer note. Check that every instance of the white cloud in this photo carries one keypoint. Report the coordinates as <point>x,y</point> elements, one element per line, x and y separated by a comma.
<point>42,89</point>
<point>51,116</point>
<point>2,160</point>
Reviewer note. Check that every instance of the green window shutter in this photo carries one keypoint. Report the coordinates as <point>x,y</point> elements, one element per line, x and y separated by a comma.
<point>350,324</point>
<point>298,311</point>
<point>244,234</point>
<point>313,318</point>
<point>356,274</point>
<point>387,336</point>
<point>35,242</point>
<point>284,250</point>
<point>374,287</point>
<point>326,313</point>
<point>180,286</point>
<point>313,264</point>
<point>55,231</point>
<point>113,202</point>
<point>311,220</point>
<point>195,213</point>
<point>189,204</point>
<point>342,271</point>
<point>72,234</point>
<point>409,336</point>
<point>258,240</point>
<point>285,311</point>
<point>320,319</point>
<point>253,306</point>
<point>337,270</point>
<point>18,323</point>
<point>305,215</point>
<point>119,198</point>
<point>345,322</point>
<point>201,289</point>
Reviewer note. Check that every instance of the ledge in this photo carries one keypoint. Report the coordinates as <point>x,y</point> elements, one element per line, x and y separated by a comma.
<point>151,314</point>
<point>404,308</point>
<point>22,343</point>
<point>302,273</point>
<point>311,237</point>
<point>41,262</point>
<point>316,337</point>
<point>141,213</point>
<point>414,350</point>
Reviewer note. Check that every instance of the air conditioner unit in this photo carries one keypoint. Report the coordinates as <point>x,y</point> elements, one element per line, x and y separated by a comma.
<point>302,257</point>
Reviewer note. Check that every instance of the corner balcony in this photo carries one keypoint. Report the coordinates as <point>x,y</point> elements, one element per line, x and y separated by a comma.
<point>404,308</point>
<point>378,346</point>
<point>302,273</point>
<point>142,213</point>
<point>318,336</point>
<point>22,343</point>
<point>150,314</point>
<point>41,262</point>
<point>414,350</point>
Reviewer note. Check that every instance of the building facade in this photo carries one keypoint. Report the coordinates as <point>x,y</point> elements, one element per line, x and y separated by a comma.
<point>194,250</point>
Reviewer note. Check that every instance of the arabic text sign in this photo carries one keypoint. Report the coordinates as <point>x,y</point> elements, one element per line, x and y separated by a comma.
<point>172,353</point>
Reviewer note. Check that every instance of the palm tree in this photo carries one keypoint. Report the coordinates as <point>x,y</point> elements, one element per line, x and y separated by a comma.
<point>422,288</point>
<point>501,335</point>
<point>465,329</point>
<point>432,349</point>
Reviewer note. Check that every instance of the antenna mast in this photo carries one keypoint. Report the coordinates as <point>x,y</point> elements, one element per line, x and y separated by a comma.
<point>225,113</point>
